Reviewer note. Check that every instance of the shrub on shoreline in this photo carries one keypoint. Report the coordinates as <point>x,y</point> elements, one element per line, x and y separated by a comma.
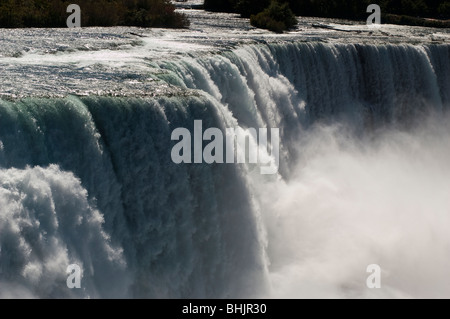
<point>250,7</point>
<point>430,13</point>
<point>52,13</point>
<point>276,17</point>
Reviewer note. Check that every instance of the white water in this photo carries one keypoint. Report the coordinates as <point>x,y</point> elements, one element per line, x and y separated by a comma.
<point>352,203</point>
<point>363,177</point>
<point>48,223</point>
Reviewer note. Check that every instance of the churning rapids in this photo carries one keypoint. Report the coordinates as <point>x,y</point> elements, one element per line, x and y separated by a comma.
<point>86,175</point>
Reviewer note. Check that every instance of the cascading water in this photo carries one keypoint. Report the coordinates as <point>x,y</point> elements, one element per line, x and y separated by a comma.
<point>363,179</point>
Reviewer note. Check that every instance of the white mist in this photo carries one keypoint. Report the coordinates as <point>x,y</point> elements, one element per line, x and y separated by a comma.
<point>356,202</point>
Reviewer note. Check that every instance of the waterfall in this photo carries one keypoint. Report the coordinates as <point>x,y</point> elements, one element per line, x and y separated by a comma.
<point>90,181</point>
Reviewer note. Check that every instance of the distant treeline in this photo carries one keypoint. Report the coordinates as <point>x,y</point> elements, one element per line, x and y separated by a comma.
<point>348,9</point>
<point>52,13</point>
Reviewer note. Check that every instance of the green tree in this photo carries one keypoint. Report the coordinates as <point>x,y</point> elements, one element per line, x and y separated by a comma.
<point>444,10</point>
<point>277,17</point>
<point>248,7</point>
<point>52,13</point>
